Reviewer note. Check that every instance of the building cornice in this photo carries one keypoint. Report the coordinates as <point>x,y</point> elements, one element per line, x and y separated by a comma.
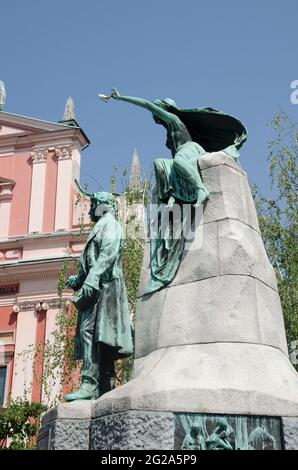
<point>58,138</point>
<point>60,236</point>
<point>32,269</point>
<point>34,262</point>
<point>37,301</point>
<point>31,123</point>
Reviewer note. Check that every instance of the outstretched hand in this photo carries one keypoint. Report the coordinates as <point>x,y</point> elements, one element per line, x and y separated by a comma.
<point>114,94</point>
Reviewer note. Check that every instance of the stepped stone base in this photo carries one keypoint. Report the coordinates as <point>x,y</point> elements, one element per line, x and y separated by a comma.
<point>157,430</point>
<point>66,427</point>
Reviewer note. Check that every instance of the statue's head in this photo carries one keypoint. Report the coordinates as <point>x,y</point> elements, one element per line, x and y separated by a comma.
<point>166,104</point>
<point>100,204</point>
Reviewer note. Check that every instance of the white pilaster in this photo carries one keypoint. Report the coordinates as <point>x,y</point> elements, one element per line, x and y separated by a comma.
<point>39,158</point>
<point>54,380</point>
<point>5,200</point>
<point>23,362</point>
<point>64,180</point>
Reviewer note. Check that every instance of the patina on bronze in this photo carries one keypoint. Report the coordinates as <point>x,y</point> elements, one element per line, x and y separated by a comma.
<point>103,332</point>
<point>191,133</point>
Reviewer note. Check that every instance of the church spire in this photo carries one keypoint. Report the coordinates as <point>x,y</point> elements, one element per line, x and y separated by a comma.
<point>69,111</point>
<point>2,95</point>
<point>135,172</point>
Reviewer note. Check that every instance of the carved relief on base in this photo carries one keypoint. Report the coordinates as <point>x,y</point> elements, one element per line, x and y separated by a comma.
<point>210,432</point>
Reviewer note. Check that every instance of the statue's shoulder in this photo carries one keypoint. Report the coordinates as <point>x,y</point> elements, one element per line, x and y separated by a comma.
<point>110,227</point>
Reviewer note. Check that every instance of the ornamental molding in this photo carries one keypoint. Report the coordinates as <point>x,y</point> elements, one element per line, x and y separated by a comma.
<point>6,187</point>
<point>49,303</point>
<point>64,152</point>
<point>37,306</point>
<point>39,155</point>
<point>9,254</point>
<point>29,276</point>
<point>5,197</point>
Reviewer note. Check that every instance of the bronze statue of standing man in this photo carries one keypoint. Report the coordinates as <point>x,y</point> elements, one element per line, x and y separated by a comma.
<point>103,329</point>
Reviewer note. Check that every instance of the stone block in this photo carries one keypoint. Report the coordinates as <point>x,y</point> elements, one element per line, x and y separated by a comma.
<point>73,410</point>
<point>249,210</point>
<point>149,309</point>
<point>223,378</point>
<point>66,426</point>
<point>223,184</point>
<point>241,251</point>
<point>64,434</point>
<point>271,322</point>
<point>230,195</point>
<point>212,159</point>
<point>199,259</point>
<point>145,270</point>
<point>290,433</point>
<point>221,308</point>
<point>133,430</point>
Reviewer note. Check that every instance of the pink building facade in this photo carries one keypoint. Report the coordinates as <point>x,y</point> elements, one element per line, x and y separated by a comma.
<point>39,227</point>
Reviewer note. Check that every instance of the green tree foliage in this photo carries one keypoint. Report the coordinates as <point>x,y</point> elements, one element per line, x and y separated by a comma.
<point>19,423</point>
<point>278,218</point>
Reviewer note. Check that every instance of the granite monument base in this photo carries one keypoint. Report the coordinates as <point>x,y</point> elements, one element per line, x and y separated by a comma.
<point>211,366</point>
<point>71,426</point>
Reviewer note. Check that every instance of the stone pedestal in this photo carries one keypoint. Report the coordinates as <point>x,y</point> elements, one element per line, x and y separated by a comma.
<point>74,426</point>
<point>210,344</point>
<point>66,427</point>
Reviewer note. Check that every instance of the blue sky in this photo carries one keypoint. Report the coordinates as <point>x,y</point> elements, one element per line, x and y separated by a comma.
<point>236,56</point>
